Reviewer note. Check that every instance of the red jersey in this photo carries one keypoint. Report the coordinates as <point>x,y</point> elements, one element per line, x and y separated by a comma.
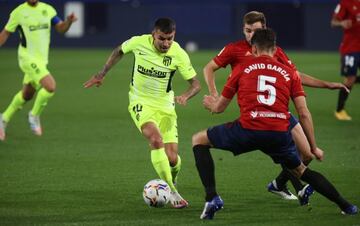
<point>349,9</point>
<point>237,53</point>
<point>264,87</point>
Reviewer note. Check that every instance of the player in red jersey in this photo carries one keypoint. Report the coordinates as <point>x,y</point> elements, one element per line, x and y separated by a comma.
<point>263,87</point>
<point>238,52</point>
<point>347,16</point>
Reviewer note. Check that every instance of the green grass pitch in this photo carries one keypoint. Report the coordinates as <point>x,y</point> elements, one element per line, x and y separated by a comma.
<point>90,165</point>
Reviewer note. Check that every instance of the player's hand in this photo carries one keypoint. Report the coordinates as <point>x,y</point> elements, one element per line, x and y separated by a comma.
<point>338,85</point>
<point>346,24</point>
<point>71,18</point>
<point>208,102</point>
<point>319,154</point>
<point>96,80</point>
<point>182,100</point>
<point>214,93</point>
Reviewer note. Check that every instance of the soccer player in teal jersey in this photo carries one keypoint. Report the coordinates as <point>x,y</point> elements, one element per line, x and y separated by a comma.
<point>151,99</point>
<point>33,20</point>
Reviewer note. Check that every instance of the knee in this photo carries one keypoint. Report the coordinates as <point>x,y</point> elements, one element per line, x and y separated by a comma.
<point>156,142</point>
<point>27,96</point>
<point>195,139</point>
<point>51,87</point>
<point>307,159</point>
<point>200,138</point>
<point>173,158</point>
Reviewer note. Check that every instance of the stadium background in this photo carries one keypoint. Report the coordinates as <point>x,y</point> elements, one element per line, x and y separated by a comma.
<point>300,24</point>
<point>91,163</point>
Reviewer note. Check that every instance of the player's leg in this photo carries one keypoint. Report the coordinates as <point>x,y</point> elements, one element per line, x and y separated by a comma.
<point>16,104</point>
<point>278,186</point>
<point>171,150</point>
<point>349,66</point>
<point>324,187</point>
<point>168,129</point>
<point>143,117</point>
<point>159,158</point>
<point>229,137</point>
<point>46,92</point>
<point>206,170</point>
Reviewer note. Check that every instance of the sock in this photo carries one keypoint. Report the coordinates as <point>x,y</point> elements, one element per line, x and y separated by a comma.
<point>205,166</point>
<point>176,169</point>
<point>16,104</point>
<point>284,176</point>
<point>161,164</point>
<point>324,187</point>
<point>343,95</point>
<point>41,101</point>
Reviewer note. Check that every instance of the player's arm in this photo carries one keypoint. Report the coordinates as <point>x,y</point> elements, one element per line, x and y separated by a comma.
<point>97,79</point>
<point>4,35</point>
<point>216,104</point>
<point>209,75</point>
<point>306,122</point>
<point>64,26</point>
<point>193,89</point>
<point>310,81</point>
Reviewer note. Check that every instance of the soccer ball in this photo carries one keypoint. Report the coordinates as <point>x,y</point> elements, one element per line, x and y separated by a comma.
<point>156,193</point>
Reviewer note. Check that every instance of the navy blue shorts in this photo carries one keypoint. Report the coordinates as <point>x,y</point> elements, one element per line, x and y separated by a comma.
<point>350,63</point>
<point>293,121</point>
<point>278,145</point>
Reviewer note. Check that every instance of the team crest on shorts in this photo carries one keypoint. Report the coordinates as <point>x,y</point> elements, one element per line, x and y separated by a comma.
<point>167,60</point>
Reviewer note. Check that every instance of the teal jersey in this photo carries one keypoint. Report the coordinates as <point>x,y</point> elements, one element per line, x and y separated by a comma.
<point>153,71</point>
<point>34,24</point>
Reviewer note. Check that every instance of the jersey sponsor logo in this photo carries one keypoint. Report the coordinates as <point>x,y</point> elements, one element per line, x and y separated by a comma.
<point>267,114</point>
<point>38,27</point>
<point>151,72</point>
<point>167,60</point>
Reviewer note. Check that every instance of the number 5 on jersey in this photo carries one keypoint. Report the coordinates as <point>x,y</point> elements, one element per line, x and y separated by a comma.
<point>264,86</point>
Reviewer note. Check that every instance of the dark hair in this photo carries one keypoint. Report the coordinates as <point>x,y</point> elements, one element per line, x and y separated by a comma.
<point>165,25</point>
<point>253,17</point>
<point>264,39</point>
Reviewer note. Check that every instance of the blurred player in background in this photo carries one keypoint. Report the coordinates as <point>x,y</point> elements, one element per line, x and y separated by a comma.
<point>264,87</point>
<point>33,19</point>
<point>237,53</point>
<point>151,98</point>
<point>347,16</point>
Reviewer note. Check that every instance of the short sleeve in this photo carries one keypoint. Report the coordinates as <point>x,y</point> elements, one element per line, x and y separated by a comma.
<point>185,67</point>
<point>130,44</point>
<point>52,12</point>
<point>13,22</point>
<point>224,57</point>
<point>232,84</point>
<point>296,87</point>
<point>283,58</point>
<point>340,11</point>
